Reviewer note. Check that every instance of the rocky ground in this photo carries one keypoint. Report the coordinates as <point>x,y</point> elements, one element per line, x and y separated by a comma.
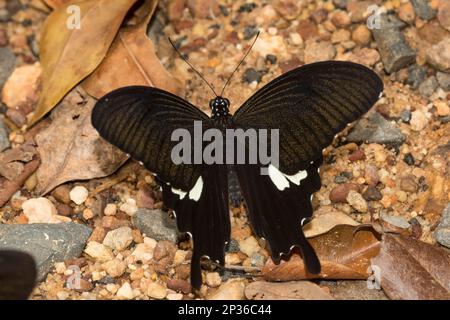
<point>391,167</point>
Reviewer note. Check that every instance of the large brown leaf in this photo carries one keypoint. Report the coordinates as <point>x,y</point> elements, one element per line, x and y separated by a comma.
<point>411,269</point>
<point>131,61</point>
<point>295,290</point>
<point>69,55</point>
<point>71,149</point>
<point>55,4</point>
<point>344,253</point>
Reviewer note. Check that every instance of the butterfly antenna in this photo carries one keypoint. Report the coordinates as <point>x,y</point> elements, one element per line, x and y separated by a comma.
<point>190,65</point>
<point>242,60</point>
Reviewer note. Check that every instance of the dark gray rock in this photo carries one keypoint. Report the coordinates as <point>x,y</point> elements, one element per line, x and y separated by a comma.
<point>7,64</point>
<point>427,87</point>
<point>405,116</point>
<point>341,4</point>
<point>156,224</point>
<point>423,10</point>
<point>4,139</point>
<point>233,246</point>
<point>47,243</point>
<point>391,21</point>
<point>395,52</point>
<point>250,32</point>
<point>416,75</point>
<point>443,80</point>
<point>442,233</point>
<point>409,159</point>
<point>372,194</point>
<point>376,129</point>
<point>343,177</point>
<point>251,75</point>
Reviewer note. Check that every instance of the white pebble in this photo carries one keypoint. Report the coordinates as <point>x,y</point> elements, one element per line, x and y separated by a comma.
<point>110,209</point>
<point>40,210</point>
<point>99,251</point>
<point>125,292</point>
<point>129,207</point>
<point>78,194</point>
<point>119,239</point>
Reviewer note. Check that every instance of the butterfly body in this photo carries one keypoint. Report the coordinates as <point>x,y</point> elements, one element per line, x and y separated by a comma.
<point>305,108</point>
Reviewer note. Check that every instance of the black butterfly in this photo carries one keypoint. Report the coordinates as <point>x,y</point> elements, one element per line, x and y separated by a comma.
<point>309,105</point>
<point>17,275</point>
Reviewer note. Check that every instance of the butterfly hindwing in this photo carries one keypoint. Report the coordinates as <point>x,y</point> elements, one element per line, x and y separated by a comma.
<point>140,121</point>
<point>309,106</point>
<point>17,275</point>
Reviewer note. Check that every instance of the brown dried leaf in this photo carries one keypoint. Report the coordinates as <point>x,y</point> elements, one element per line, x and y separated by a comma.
<point>69,55</point>
<point>131,61</point>
<point>344,253</point>
<point>411,269</point>
<point>55,4</point>
<point>12,161</point>
<point>325,219</point>
<point>295,290</point>
<point>71,149</point>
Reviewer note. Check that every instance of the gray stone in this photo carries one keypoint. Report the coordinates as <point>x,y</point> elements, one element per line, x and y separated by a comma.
<point>395,52</point>
<point>423,10</point>
<point>376,129</point>
<point>341,4</point>
<point>427,87</point>
<point>416,75</point>
<point>7,64</point>
<point>251,75</point>
<point>233,246</point>
<point>405,115</point>
<point>442,233</point>
<point>4,139</point>
<point>391,21</point>
<point>47,243</point>
<point>156,224</point>
<point>396,221</point>
<point>443,80</point>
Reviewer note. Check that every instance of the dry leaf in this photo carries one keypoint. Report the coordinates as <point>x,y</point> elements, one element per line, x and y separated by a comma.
<point>69,55</point>
<point>131,61</point>
<point>295,290</point>
<point>71,149</point>
<point>12,161</point>
<point>325,219</point>
<point>344,253</point>
<point>55,4</point>
<point>411,269</point>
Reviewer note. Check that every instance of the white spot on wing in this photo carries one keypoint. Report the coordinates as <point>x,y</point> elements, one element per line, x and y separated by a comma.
<point>278,178</point>
<point>196,191</point>
<point>179,192</point>
<point>296,178</point>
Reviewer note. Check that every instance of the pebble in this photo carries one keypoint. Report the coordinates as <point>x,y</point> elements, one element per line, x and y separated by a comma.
<point>156,224</point>
<point>288,9</point>
<point>7,64</point>
<point>144,251</point>
<point>272,59</point>
<point>144,199</point>
<point>115,268</point>
<point>233,289</point>
<point>395,52</point>
<point>406,12</point>
<point>339,193</point>
<point>78,194</point>
<point>213,279</point>
<point>249,246</point>
<point>376,129</point>
<point>438,55</point>
<point>296,38</point>
<point>99,251</point>
<point>372,194</point>
<point>418,120</point>
<point>341,4</point>
<point>409,159</point>
<point>357,155</point>
<point>165,249</point>
<point>174,296</point>
<point>179,285</point>
<point>110,209</point>
<point>427,87</point>
<point>416,75</point>
<point>444,14</point>
<point>362,35</point>
<point>442,232</point>
<point>340,35</point>
<point>40,210</point>
<point>119,239</point>
<point>396,221</point>
<point>341,19</point>
<point>442,108</point>
<point>358,9</point>
<point>408,183</point>
<point>125,292</point>
<point>443,80</point>
<point>251,75</point>
<point>308,29</point>
<point>47,243</point>
<point>129,207</point>
<point>423,10</point>
<point>250,32</point>
<point>371,175</point>
<point>343,177</point>
<point>156,291</point>
<point>319,51</point>
<point>257,260</point>
<point>357,201</point>
<point>62,194</point>
<point>4,137</point>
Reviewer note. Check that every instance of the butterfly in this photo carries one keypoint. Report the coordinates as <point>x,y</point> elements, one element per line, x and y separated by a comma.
<point>307,106</point>
<point>17,275</point>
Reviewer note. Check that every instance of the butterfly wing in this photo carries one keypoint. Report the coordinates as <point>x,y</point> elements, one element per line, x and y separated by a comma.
<point>17,275</point>
<point>140,121</point>
<point>309,106</point>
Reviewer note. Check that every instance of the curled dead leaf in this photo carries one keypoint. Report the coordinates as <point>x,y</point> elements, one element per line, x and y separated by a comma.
<point>294,290</point>
<point>68,55</point>
<point>325,219</point>
<point>411,269</point>
<point>131,61</point>
<point>71,149</point>
<point>344,253</point>
<point>55,4</point>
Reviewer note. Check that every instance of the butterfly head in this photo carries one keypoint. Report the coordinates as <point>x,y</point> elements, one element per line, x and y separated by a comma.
<point>219,106</point>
